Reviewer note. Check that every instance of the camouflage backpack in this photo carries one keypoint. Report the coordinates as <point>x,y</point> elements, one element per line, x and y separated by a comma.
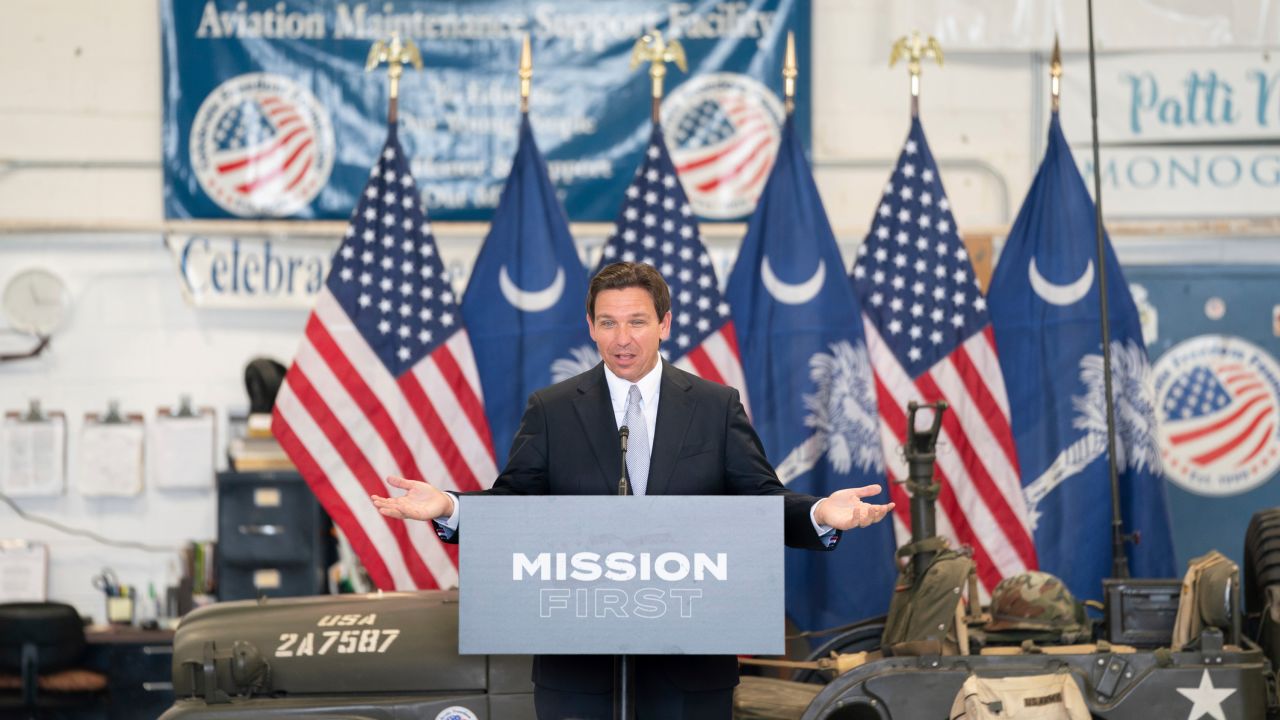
<point>1036,606</point>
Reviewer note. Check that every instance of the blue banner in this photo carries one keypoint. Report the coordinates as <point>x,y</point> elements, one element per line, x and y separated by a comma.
<point>268,111</point>
<point>1214,334</point>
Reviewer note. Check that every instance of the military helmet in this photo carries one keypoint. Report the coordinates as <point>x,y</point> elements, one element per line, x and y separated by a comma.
<point>1035,600</point>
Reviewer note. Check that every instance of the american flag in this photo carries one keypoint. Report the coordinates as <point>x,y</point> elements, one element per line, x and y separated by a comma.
<point>725,147</point>
<point>929,337</point>
<point>263,146</point>
<point>384,383</point>
<point>656,226</point>
<point>1222,415</point>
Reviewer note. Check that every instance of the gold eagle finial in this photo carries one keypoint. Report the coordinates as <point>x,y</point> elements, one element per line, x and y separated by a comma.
<point>651,48</point>
<point>913,50</point>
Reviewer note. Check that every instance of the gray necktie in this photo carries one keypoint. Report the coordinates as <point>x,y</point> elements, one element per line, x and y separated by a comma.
<point>637,443</point>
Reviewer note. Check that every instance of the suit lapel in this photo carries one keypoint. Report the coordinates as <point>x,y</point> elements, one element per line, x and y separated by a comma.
<point>675,411</point>
<point>595,412</point>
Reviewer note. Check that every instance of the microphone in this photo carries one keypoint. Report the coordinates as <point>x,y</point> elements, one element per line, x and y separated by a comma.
<point>624,487</point>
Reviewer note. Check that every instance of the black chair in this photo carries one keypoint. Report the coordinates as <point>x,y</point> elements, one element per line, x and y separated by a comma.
<point>41,645</point>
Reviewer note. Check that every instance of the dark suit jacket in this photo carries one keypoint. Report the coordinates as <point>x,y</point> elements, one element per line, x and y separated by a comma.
<point>704,445</point>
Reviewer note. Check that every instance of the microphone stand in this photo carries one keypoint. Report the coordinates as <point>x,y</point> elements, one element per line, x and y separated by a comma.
<point>623,703</point>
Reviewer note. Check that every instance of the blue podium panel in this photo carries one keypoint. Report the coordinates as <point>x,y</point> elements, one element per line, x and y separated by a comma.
<point>621,575</point>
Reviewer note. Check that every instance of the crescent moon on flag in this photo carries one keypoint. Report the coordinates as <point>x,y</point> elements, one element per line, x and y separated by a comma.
<point>527,301</point>
<point>797,294</point>
<point>1062,295</point>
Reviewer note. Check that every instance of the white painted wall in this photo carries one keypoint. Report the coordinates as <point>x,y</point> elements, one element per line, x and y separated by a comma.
<point>80,122</point>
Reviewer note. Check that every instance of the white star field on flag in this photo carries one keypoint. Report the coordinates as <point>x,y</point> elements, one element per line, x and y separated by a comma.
<point>658,227</point>
<point>913,274</point>
<point>388,275</point>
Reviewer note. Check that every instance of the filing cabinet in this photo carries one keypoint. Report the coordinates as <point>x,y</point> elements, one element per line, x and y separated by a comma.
<point>273,536</point>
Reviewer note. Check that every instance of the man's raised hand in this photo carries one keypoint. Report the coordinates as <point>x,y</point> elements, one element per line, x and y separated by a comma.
<point>845,510</point>
<point>420,502</point>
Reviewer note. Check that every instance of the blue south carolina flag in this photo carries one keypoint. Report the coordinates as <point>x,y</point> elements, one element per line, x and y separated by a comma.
<point>1045,309</point>
<point>526,302</point>
<point>812,390</point>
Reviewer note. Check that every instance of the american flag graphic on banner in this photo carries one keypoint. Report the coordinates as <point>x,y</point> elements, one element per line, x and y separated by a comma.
<point>1224,413</point>
<point>929,338</point>
<point>263,145</point>
<point>384,383</point>
<point>725,146</point>
<point>656,226</point>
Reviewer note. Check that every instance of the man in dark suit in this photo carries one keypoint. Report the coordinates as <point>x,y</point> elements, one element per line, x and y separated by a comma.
<point>702,444</point>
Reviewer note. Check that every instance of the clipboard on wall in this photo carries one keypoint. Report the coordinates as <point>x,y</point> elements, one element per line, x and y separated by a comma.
<point>111,453</point>
<point>181,447</point>
<point>33,452</point>
<point>24,571</point>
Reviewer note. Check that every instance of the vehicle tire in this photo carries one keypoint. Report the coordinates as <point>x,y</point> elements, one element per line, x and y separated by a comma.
<point>1261,558</point>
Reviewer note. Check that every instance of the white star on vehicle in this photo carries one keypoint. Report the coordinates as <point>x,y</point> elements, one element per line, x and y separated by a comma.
<point>1206,699</point>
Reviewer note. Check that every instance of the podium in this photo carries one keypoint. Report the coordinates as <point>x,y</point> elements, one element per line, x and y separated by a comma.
<point>615,575</point>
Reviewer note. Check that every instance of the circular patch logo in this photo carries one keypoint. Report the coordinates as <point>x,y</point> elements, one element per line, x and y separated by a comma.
<point>1219,404</point>
<point>261,145</point>
<point>456,712</point>
<point>724,130</point>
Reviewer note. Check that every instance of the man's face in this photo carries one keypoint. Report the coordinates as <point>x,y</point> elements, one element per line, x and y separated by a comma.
<point>627,331</point>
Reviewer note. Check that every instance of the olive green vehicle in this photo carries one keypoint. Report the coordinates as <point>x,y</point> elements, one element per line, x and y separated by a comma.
<point>1165,649</point>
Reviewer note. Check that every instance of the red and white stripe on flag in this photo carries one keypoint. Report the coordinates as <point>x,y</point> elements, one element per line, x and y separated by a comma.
<point>717,359</point>
<point>348,423</point>
<point>980,504</point>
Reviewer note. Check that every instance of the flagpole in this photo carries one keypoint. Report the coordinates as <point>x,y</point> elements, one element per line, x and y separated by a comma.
<point>1119,559</point>
<point>914,49</point>
<point>396,54</point>
<point>651,48</point>
<point>790,71</point>
<point>526,74</point>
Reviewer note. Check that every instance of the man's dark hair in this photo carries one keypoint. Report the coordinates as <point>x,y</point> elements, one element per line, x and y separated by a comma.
<point>630,274</point>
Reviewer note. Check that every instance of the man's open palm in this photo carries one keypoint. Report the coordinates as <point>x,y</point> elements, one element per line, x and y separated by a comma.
<point>420,502</point>
<point>845,510</point>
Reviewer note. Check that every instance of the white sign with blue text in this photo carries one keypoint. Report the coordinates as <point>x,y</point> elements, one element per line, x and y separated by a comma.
<point>250,272</point>
<point>621,575</point>
<point>1182,134</point>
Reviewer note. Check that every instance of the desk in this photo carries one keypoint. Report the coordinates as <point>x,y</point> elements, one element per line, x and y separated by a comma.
<point>139,669</point>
